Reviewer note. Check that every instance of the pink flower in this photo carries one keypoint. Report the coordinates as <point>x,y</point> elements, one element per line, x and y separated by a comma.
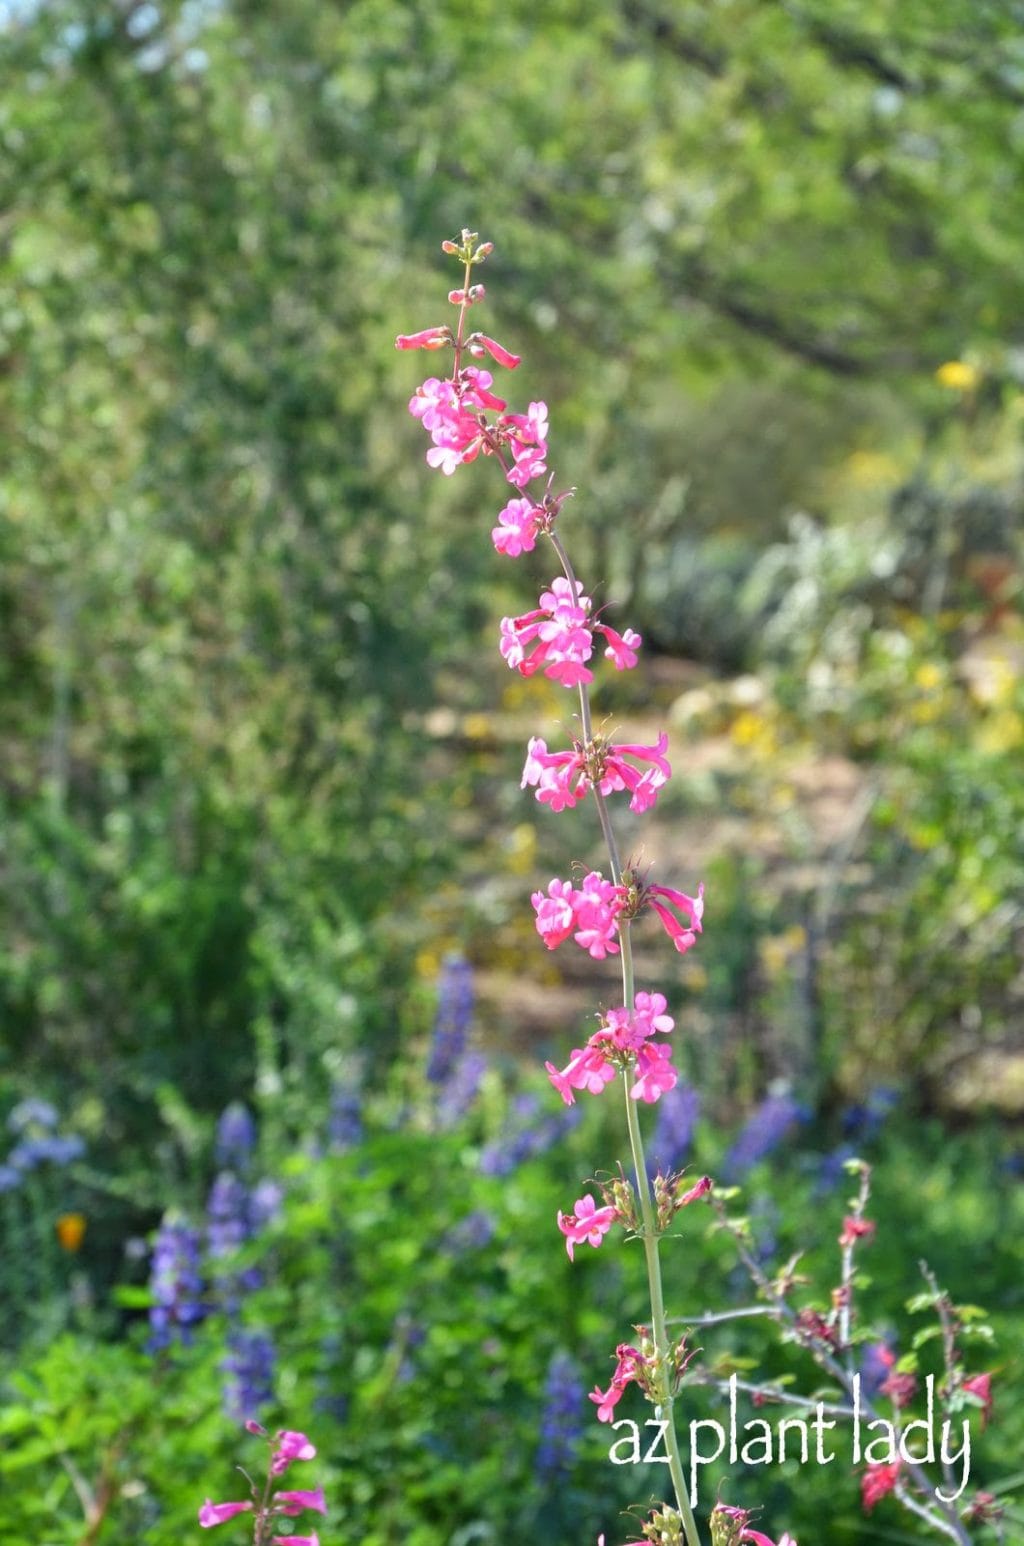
<point>628,1031</point>
<point>597,907</point>
<point>450,413</point>
<point>876,1482</point>
<point>587,1069</point>
<point>556,918</point>
<point>607,1400</point>
<point>477,342</point>
<point>290,1446</point>
<point>560,777</point>
<point>295,1502</point>
<point>296,1540</point>
<point>855,1229</point>
<point>654,1071</point>
<point>590,914</point>
<point>563,778</point>
<point>622,647</point>
<point>980,1385</point>
<point>527,440</point>
<point>429,338</point>
<point>588,1224</point>
<point>619,775</point>
<point>561,629</point>
<point>627,1369</point>
<point>682,937</point>
<point>518,528</point>
<point>219,1513</point>
<point>701,1189</point>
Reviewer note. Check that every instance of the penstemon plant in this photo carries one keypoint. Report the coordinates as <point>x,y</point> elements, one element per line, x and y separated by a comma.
<point>466,419</point>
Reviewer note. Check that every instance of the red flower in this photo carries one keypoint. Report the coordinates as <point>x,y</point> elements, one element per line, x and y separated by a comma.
<point>876,1482</point>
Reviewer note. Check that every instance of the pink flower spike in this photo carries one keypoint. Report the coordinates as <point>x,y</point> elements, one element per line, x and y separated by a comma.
<point>295,1502</point>
<point>429,338</point>
<point>219,1513</point>
<point>496,352</point>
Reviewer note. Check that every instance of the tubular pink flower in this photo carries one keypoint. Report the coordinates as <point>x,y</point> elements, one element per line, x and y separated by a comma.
<point>701,1189</point>
<point>629,1031</point>
<point>560,777</point>
<point>682,936</point>
<point>479,341</point>
<point>588,1224</point>
<point>654,1072</point>
<point>219,1513</point>
<point>644,788</point>
<point>429,338</point>
<point>556,917</point>
<point>518,528</point>
<point>295,1502</point>
<point>290,1446</point>
<point>597,908</point>
<point>587,1069</point>
<point>607,1400</point>
<point>296,1540</point>
<point>622,647</point>
<point>561,628</point>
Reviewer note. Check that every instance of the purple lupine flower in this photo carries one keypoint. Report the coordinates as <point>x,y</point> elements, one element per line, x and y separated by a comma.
<point>470,1234</point>
<point>456,1095</point>
<point>522,1137</point>
<point>265,1201</point>
<point>176,1284</point>
<point>10,1178</point>
<point>228,1222</point>
<point>453,1019</point>
<point>32,1112</point>
<point>561,1426</point>
<point>344,1119</point>
<point>236,1138</point>
<point>765,1129</point>
<point>46,1148</point>
<point>249,1367</point>
<point>678,1110</point>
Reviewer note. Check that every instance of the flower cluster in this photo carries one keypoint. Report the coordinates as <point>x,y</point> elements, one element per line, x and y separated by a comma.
<point>557,637</point>
<point>592,914</point>
<point>623,1043</point>
<point>562,779</point>
<point>285,1446</point>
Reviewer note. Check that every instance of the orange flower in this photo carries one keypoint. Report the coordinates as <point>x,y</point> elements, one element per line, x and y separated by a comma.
<point>70,1229</point>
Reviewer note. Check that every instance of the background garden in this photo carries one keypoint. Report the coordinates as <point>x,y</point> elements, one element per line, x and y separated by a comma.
<point>276,1131</point>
